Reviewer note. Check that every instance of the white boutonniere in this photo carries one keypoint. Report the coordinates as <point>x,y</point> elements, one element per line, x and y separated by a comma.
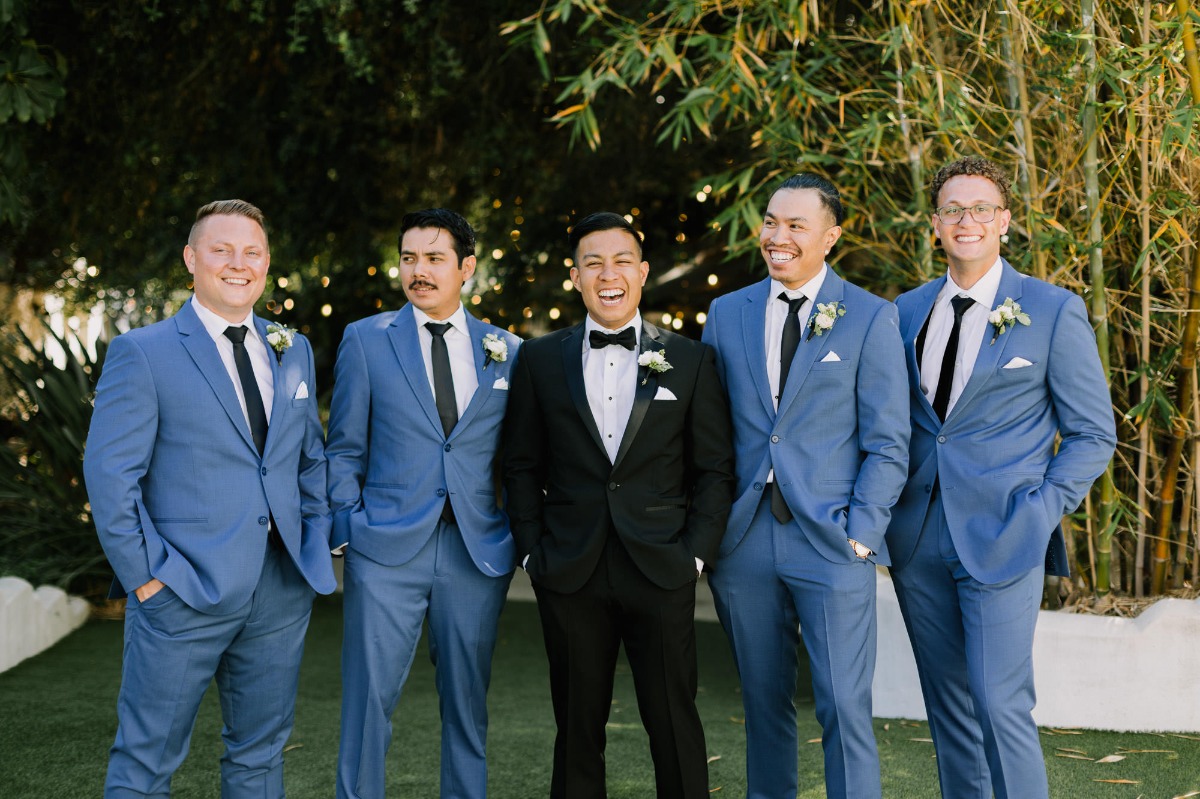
<point>1005,316</point>
<point>822,321</point>
<point>495,349</point>
<point>655,361</point>
<point>279,338</point>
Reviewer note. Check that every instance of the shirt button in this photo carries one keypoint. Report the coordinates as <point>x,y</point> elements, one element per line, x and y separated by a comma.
<point>262,519</point>
<point>774,439</point>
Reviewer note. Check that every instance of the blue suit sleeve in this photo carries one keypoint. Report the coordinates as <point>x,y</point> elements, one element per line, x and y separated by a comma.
<point>313,477</point>
<point>349,429</point>
<point>119,449</point>
<point>1084,409</point>
<point>883,430</point>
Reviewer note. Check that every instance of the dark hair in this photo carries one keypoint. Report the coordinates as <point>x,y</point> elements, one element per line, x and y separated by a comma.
<point>970,165</point>
<point>831,198</point>
<point>459,229</point>
<point>603,220</point>
<point>227,208</point>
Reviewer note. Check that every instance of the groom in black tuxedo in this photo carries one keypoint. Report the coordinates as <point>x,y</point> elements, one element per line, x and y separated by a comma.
<point>619,471</point>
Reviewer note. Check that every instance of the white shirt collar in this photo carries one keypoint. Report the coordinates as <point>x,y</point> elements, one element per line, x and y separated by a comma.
<point>983,292</point>
<point>457,320</point>
<point>216,325</point>
<point>810,289</point>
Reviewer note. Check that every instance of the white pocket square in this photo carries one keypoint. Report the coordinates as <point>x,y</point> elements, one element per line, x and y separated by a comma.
<point>664,394</point>
<point>302,391</point>
<point>500,384</point>
<point>830,357</point>
<point>1017,363</point>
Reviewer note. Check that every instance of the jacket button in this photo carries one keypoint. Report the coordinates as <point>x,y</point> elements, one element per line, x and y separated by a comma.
<point>613,486</point>
<point>264,471</point>
<point>774,439</point>
<point>941,439</point>
<point>928,489</point>
<point>262,520</point>
<point>441,492</point>
<point>758,486</point>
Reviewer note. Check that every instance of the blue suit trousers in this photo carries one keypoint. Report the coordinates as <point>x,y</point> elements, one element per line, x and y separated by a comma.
<point>773,588</point>
<point>172,652</point>
<point>973,643</point>
<point>385,609</point>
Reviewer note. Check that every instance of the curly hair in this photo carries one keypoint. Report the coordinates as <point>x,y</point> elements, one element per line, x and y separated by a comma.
<point>970,165</point>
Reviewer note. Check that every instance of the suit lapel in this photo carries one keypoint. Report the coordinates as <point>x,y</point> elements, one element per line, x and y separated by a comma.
<point>832,291</point>
<point>203,351</point>
<point>754,332</point>
<point>572,355</point>
<point>277,381</point>
<point>484,379</point>
<point>922,308</point>
<point>989,353</point>
<point>643,395</point>
<point>402,332</point>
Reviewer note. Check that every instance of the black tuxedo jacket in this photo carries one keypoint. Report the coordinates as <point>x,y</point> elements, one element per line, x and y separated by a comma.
<point>667,495</point>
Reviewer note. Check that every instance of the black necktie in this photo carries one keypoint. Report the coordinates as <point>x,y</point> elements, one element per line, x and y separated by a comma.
<point>791,337</point>
<point>787,350</point>
<point>941,398</point>
<point>443,379</point>
<point>254,403</point>
<point>626,338</point>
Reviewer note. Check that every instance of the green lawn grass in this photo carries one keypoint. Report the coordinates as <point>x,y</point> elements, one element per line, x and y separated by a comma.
<point>57,719</point>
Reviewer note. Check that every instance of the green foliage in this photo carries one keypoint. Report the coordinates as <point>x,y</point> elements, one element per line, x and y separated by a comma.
<point>47,536</point>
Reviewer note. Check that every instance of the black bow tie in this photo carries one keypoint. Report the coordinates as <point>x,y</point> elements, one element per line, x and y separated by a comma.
<point>626,338</point>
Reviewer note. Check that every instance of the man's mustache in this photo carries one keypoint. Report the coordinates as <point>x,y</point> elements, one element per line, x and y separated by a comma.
<point>421,284</point>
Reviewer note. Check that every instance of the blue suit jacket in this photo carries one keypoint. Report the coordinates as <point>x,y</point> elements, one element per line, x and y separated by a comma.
<point>390,464</point>
<point>839,441</point>
<point>177,487</point>
<point>1003,487</point>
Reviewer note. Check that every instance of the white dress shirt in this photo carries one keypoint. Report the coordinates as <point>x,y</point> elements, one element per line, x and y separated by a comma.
<point>777,311</point>
<point>256,348</point>
<point>610,377</point>
<point>461,350</point>
<point>974,325</point>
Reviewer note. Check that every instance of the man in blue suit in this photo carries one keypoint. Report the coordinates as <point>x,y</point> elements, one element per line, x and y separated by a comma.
<point>813,369</point>
<point>418,399</point>
<point>999,364</point>
<point>206,475</point>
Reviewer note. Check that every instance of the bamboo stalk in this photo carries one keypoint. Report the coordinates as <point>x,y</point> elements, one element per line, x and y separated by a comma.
<point>1187,351</point>
<point>1099,303</point>
<point>1143,460</point>
<point>1014,47</point>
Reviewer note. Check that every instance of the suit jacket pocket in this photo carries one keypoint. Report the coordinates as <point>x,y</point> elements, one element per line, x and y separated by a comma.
<point>831,366</point>
<point>387,486</point>
<point>662,508</point>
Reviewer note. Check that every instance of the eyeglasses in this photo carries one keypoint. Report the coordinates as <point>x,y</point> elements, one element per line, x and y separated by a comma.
<point>953,214</point>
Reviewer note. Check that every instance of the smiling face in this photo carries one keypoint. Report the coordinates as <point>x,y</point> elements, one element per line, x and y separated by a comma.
<point>798,232</point>
<point>971,247</point>
<point>609,272</point>
<point>430,271</point>
<point>228,258</point>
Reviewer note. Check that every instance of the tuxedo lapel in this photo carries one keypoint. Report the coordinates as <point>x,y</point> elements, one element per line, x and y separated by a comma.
<point>754,332</point>
<point>832,291</point>
<point>989,352</point>
<point>572,355</point>
<point>203,351</point>
<point>923,307</point>
<point>406,343</point>
<point>643,395</point>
